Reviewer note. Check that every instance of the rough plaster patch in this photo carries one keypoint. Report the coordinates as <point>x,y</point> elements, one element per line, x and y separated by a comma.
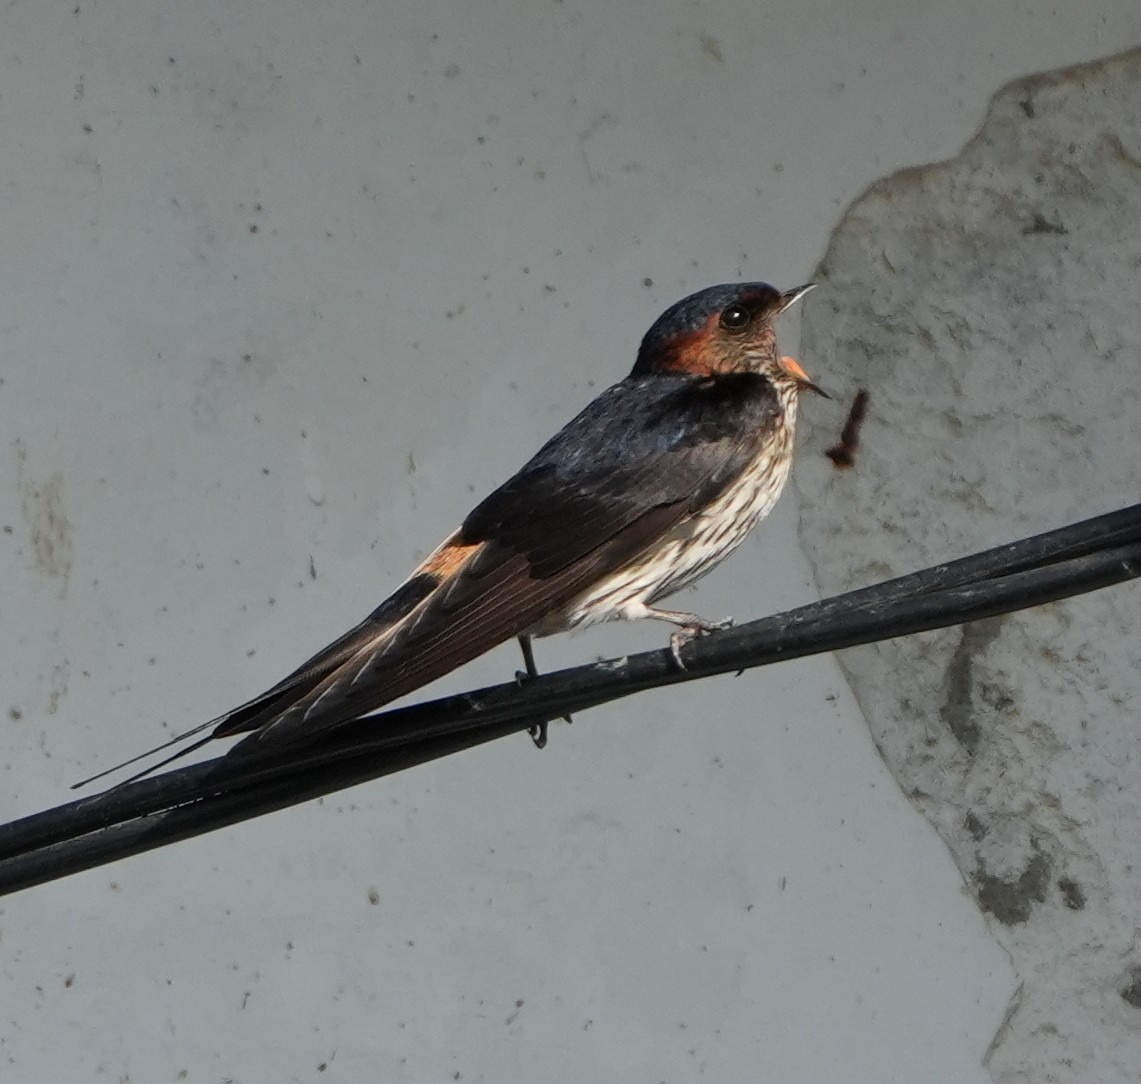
<point>991,304</point>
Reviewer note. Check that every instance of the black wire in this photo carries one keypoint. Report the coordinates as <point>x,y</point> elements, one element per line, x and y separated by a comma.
<point>192,800</point>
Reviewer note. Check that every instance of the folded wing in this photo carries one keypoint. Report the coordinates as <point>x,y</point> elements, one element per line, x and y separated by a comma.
<point>643,457</point>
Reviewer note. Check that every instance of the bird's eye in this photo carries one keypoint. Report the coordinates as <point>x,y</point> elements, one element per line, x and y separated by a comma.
<point>735,317</point>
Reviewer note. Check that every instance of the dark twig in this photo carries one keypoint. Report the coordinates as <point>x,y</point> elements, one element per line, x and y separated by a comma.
<point>843,452</point>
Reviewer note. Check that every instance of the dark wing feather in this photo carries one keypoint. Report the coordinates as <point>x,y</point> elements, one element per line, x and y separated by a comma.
<point>292,688</point>
<point>648,442</point>
<point>313,671</point>
<point>642,458</point>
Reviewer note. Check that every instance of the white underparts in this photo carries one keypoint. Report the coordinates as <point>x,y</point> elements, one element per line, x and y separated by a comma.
<point>693,548</point>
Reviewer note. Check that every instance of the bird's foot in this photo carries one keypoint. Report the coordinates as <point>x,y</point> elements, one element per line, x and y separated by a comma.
<point>690,631</point>
<point>538,731</point>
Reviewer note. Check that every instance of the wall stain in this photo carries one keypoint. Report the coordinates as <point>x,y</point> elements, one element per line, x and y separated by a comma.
<point>51,531</point>
<point>957,710</point>
<point>1011,900</point>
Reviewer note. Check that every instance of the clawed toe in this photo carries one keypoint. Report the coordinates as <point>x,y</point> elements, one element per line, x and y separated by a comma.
<point>687,633</point>
<point>538,731</point>
<point>678,640</point>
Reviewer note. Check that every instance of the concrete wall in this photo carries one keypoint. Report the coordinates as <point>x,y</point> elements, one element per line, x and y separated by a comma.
<point>284,288</point>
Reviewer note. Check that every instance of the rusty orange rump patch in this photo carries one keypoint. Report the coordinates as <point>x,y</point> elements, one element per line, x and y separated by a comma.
<point>449,558</point>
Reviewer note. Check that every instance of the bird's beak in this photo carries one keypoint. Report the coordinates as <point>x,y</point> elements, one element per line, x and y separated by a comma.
<point>791,365</point>
<point>791,297</point>
<point>796,371</point>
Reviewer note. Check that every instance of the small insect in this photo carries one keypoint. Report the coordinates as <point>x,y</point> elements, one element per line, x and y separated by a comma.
<point>843,453</point>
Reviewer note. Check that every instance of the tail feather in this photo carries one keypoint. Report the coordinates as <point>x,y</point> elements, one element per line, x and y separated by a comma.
<point>485,593</point>
<point>150,753</point>
<point>254,714</point>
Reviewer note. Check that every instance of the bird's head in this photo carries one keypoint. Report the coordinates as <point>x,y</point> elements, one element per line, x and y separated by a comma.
<point>724,329</point>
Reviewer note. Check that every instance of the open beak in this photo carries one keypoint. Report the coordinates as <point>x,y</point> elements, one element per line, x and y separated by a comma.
<point>794,369</point>
<point>791,297</point>
<point>791,365</point>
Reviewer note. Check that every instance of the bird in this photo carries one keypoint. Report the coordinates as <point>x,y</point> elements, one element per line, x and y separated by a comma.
<point>653,484</point>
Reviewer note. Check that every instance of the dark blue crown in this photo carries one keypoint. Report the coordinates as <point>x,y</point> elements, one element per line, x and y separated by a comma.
<point>691,313</point>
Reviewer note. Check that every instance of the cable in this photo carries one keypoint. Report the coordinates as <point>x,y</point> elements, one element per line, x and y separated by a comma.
<point>192,800</point>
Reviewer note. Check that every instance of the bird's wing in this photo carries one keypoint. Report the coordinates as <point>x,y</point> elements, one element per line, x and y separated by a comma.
<point>292,688</point>
<point>643,457</point>
<point>368,634</point>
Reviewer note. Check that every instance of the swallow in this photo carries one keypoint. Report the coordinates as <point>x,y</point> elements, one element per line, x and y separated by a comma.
<point>651,486</point>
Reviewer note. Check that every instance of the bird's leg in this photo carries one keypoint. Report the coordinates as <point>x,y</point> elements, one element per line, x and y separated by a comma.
<point>539,731</point>
<point>690,628</point>
<point>532,671</point>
